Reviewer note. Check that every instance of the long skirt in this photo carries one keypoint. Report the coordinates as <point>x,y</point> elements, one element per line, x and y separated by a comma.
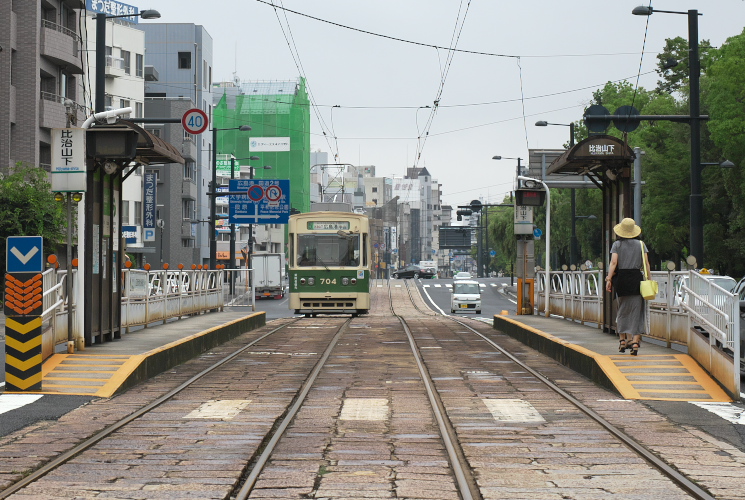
<point>630,316</point>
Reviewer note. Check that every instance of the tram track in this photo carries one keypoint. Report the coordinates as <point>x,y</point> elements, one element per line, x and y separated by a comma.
<point>681,480</point>
<point>254,466</point>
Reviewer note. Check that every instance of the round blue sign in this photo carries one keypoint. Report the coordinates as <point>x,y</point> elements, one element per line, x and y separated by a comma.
<point>537,232</point>
<point>492,253</point>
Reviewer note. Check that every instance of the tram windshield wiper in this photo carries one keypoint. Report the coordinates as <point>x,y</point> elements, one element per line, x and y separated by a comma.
<point>318,259</point>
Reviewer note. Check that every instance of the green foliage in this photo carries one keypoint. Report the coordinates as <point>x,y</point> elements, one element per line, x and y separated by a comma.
<point>27,208</point>
<point>675,79</point>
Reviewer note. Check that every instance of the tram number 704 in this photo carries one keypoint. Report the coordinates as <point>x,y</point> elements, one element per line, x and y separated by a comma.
<point>328,281</point>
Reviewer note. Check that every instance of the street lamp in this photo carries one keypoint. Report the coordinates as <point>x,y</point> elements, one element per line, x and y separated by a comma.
<point>548,236</point>
<point>696,201</point>
<point>519,167</point>
<point>573,240</point>
<point>101,52</point>
<point>213,200</point>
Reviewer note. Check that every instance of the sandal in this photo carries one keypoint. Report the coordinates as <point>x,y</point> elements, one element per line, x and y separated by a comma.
<point>622,346</point>
<point>634,348</point>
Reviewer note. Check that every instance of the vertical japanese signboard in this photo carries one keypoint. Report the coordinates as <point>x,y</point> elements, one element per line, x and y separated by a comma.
<point>68,160</point>
<point>148,209</point>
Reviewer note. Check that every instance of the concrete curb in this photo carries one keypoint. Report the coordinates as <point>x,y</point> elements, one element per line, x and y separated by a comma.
<point>577,358</point>
<point>166,357</point>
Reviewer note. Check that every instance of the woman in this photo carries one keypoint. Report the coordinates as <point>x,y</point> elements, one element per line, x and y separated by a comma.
<point>628,255</point>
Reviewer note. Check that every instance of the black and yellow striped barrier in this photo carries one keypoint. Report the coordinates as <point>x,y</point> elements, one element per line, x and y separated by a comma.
<point>23,308</point>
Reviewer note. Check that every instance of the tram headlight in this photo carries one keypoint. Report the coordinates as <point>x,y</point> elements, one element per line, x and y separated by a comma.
<point>311,281</point>
<point>354,281</point>
<point>345,281</point>
<point>302,281</point>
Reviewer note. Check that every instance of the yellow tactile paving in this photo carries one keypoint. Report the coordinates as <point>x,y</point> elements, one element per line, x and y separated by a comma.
<point>668,377</point>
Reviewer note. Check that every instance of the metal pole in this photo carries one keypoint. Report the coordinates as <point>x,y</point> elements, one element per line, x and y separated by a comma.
<point>232,235</point>
<point>100,104</point>
<point>638,186</point>
<point>548,239</point>
<point>213,203</point>
<point>573,241</point>
<point>697,204</point>
<point>68,278</point>
<point>250,244</point>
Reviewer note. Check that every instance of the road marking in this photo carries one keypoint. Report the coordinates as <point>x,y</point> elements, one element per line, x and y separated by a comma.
<point>364,409</point>
<point>727,411</point>
<point>512,410</point>
<point>10,402</point>
<point>225,409</point>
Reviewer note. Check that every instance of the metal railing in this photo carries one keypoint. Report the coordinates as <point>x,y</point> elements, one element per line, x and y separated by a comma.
<point>575,295</point>
<point>153,296</point>
<point>687,303</point>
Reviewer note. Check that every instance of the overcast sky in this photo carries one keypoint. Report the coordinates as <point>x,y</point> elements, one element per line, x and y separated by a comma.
<point>488,105</point>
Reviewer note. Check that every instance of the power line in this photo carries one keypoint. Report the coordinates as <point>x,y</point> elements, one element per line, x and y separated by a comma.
<point>491,54</point>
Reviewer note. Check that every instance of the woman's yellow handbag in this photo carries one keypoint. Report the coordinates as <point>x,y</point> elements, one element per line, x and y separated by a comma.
<point>648,288</point>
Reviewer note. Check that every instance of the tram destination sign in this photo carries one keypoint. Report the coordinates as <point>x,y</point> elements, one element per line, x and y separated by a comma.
<point>328,226</point>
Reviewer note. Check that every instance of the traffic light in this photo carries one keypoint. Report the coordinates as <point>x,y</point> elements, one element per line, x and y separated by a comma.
<point>461,213</point>
<point>530,197</point>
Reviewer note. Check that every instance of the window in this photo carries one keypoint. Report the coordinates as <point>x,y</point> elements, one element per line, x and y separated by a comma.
<point>124,103</point>
<point>108,102</point>
<point>138,213</point>
<point>127,58</point>
<point>139,65</point>
<point>188,209</point>
<point>184,60</point>
<point>190,171</point>
<point>204,74</point>
<point>375,189</point>
<point>125,212</point>
<point>139,112</point>
<point>187,243</point>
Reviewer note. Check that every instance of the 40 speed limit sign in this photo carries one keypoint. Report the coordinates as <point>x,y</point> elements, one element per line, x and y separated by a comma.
<point>195,121</point>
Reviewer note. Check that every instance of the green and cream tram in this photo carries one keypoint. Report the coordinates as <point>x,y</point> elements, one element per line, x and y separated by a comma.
<point>329,263</point>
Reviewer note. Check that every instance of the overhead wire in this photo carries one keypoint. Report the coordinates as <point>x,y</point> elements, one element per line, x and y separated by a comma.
<point>476,52</point>
<point>298,64</point>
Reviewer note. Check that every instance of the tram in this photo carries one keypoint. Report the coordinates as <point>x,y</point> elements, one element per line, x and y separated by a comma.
<point>329,267</point>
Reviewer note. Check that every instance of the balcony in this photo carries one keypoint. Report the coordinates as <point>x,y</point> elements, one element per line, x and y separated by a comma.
<point>188,189</point>
<point>62,46</point>
<point>114,67</point>
<point>52,113</point>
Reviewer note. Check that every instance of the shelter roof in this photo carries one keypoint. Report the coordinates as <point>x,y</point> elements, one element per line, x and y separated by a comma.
<point>594,154</point>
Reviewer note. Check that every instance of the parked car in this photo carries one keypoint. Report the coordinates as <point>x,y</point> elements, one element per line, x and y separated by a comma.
<point>466,296</point>
<point>413,271</point>
<point>726,282</point>
<point>463,275</point>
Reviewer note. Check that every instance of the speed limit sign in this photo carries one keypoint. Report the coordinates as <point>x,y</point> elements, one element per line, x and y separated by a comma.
<point>195,121</point>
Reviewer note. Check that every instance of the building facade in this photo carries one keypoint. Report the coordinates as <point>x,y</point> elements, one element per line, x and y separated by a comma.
<point>41,67</point>
<point>181,56</point>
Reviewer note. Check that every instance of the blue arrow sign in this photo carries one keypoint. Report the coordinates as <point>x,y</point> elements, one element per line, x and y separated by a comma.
<point>537,232</point>
<point>492,252</point>
<point>267,201</point>
<point>25,254</point>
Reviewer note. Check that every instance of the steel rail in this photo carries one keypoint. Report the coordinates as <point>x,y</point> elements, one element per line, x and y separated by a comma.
<point>668,471</point>
<point>88,443</point>
<point>466,484</point>
<point>258,466</point>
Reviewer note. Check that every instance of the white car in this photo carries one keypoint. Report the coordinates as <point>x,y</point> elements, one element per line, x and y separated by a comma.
<point>462,276</point>
<point>466,296</point>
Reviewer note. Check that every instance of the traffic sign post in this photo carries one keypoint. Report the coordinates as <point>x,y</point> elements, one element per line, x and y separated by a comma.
<point>195,121</point>
<point>24,291</point>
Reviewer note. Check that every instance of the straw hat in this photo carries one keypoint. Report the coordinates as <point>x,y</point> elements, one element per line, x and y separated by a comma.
<point>627,229</point>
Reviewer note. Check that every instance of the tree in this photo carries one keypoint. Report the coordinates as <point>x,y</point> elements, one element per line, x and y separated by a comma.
<point>27,208</point>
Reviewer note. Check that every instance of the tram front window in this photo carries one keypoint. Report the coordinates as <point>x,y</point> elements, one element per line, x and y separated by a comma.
<point>328,250</point>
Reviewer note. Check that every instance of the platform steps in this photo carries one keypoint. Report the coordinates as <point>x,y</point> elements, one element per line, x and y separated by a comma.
<point>85,374</point>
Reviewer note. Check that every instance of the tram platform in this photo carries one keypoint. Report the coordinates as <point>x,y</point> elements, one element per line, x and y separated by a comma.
<point>103,369</point>
<point>657,373</point>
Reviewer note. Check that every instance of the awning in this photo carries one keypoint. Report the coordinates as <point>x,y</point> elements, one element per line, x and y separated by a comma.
<point>595,154</point>
<point>150,148</point>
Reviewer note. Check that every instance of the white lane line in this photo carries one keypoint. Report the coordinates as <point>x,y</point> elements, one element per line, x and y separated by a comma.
<point>433,302</point>
<point>10,402</point>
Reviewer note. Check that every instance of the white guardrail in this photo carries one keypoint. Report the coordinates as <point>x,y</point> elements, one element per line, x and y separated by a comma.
<point>689,310</point>
<point>147,297</point>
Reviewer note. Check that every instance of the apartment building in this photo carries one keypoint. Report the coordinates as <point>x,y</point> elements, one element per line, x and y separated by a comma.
<point>41,68</point>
